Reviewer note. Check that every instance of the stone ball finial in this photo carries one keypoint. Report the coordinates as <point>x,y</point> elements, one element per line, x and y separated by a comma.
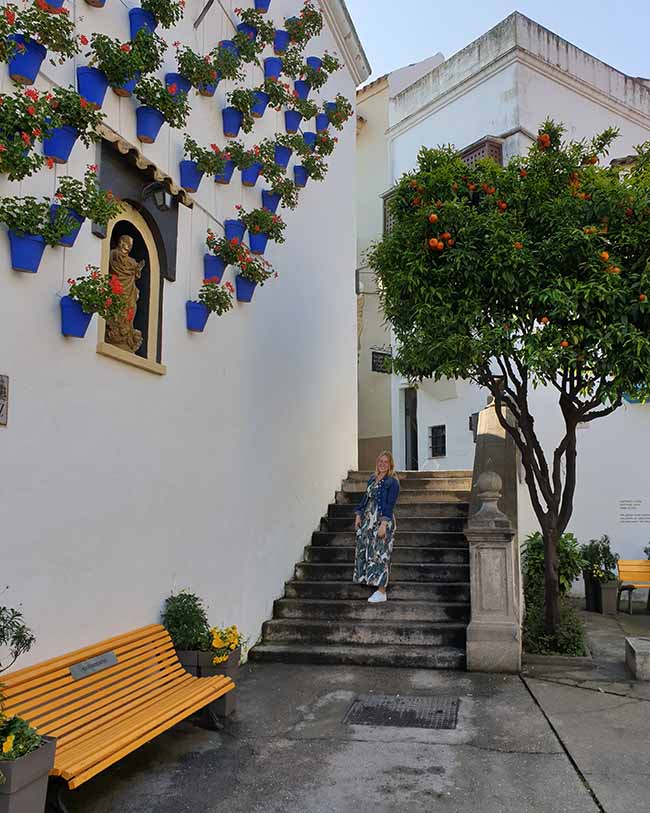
<point>489,482</point>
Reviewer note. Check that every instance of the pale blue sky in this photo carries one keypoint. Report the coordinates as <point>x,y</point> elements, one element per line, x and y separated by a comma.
<point>397,32</point>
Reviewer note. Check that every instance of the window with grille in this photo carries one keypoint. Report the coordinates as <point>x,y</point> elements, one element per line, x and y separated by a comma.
<point>437,441</point>
<point>486,148</point>
<point>389,217</point>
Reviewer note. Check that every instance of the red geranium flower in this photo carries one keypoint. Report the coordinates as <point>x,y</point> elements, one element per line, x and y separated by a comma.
<point>3,148</point>
<point>32,94</point>
<point>230,287</point>
<point>83,102</point>
<point>125,47</point>
<point>10,16</point>
<point>83,39</point>
<point>172,88</point>
<point>25,138</point>
<point>92,167</point>
<point>50,163</point>
<point>36,132</point>
<point>31,110</point>
<point>108,302</point>
<point>234,241</point>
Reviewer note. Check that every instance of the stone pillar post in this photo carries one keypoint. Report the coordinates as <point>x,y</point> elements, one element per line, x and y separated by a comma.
<point>494,633</point>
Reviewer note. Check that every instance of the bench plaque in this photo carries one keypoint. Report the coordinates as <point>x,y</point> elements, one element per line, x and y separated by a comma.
<point>93,665</point>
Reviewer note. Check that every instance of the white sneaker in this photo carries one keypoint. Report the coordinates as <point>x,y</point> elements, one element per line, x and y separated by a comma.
<point>377,597</point>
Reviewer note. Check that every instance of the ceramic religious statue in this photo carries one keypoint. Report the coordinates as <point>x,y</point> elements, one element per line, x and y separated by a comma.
<point>120,332</point>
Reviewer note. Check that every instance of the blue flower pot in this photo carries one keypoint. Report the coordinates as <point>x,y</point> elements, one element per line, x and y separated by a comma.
<point>247,30</point>
<point>270,200</point>
<point>292,121</point>
<point>322,122</point>
<point>314,62</point>
<point>302,88</point>
<point>281,41</point>
<point>250,175</point>
<point>25,65</point>
<point>272,67</point>
<point>225,176</point>
<point>213,267</point>
<point>92,85</point>
<point>148,123</point>
<point>234,228</point>
<point>26,251</point>
<point>126,89</point>
<point>59,143</point>
<point>74,320</point>
<point>208,89</point>
<point>257,242</point>
<point>232,120</point>
<point>310,140</point>
<point>282,156</point>
<point>182,84</point>
<point>262,101</point>
<point>139,18</point>
<point>244,288</point>
<point>197,316</point>
<point>262,6</point>
<point>55,4</point>
<point>68,239</point>
<point>330,107</point>
<point>229,45</point>
<point>191,175</point>
<point>300,176</point>
<point>96,3</point>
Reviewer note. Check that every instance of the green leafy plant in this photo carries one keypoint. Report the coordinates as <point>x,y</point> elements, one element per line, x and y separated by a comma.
<point>238,153</point>
<point>234,252</point>
<point>87,198</point>
<point>277,91</point>
<point>263,221</point>
<point>15,636</point>
<point>325,144</point>
<point>99,293</point>
<point>308,24</point>
<point>340,112</point>
<point>305,107</point>
<point>168,100</point>
<point>53,29</point>
<point>599,559</point>
<point>197,69</point>
<point>254,268</point>
<point>28,215</point>
<point>167,12</point>
<point>317,77</point>
<point>570,561</point>
<point>287,190</point>
<point>7,27</point>
<point>315,165</point>
<point>24,120</point>
<point>293,141</point>
<point>122,61</point>
<point>570,638</point>
<point>211,162</point>
<point>243,99</point>
<point>532,274</point>
<point>216,298</point>
<point>185,619</point>
<point>228,65</point>
<point>70,109</point>
<point>249,48</point>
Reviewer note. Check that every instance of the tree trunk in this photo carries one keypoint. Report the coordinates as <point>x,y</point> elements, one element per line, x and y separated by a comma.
<point>551,582</point>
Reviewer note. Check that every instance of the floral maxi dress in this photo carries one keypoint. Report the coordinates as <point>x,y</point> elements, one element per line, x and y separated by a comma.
<point>372,556</point>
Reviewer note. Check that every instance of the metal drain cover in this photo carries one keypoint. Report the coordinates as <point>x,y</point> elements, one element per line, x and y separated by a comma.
<point>404,712</point>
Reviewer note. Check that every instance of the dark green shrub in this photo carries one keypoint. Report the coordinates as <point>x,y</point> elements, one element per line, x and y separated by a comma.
<point>600,561</point>
<point>570,561</point>
<point>570,639</point>
<point>185,619</point>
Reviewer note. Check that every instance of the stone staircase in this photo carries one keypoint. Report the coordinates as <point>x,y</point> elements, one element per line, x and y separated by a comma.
<point>324,618</point>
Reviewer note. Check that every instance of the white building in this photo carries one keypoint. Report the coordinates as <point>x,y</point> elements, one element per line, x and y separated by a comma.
<point>208,465</point>
<point>489,99</point>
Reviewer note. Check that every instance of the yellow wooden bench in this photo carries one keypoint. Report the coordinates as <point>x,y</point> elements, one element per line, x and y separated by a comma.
<point>633,573</point>
<point>104,701</point>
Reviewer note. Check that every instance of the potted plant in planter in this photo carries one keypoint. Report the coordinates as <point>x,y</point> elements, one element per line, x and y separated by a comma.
<point>24,120</point>
<point>601,582</point>
<point>31,228</point>
<point>221,252</point>
<point>159,104</point>
<point>263,225</point>
<point>313,166</point>
<point>338,111</point>
<point>253,271</point>
<point>283,191</point>
<point>254,33</point>
<point>308,24</point>
<point>239,114</point>
<point>124,62</point>
<point>84,199</point>
<point>165,13</point>
<point>200,71</point>
<point>227,645</point>
<point>89,294</point>
<point>298,109</point>
<point>213,298</point>
<point>185,619</point>
<point>200,162</point>
<point>39,31</point>
<point>71,118</point>
<point>325,144</point>
<point>26,758</point>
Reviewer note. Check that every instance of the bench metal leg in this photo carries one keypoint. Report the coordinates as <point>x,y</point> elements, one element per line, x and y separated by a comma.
<point>55,791</point>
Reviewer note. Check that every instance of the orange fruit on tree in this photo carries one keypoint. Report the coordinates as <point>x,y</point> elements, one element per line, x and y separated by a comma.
<point>522,173</point>
<point>450,243</point>
<point>564,343</point>
<point>433,218</point>
<point>643,298</point>
<point>604,256</point>
<point>445,235</point>
<point>471,187</point>
<point>440,246</point>
<point>413,184</point>
<point>519,245</point>
<point>544,320</point>
<point>433,242</point>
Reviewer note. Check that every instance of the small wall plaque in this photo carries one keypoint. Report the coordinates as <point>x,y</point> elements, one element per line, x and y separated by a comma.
<point>4,399</point>
<point>93,665</point>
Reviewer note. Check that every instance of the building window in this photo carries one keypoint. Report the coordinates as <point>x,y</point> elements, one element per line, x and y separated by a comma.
<point>437,441</point>
<point>486,148</point>
<point>380,362</point>
<point>389,217</point>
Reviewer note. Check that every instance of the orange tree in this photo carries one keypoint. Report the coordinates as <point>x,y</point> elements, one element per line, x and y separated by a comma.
<point>533,274</point>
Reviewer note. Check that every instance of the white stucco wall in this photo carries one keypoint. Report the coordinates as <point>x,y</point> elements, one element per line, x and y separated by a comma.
<point>118,485</point>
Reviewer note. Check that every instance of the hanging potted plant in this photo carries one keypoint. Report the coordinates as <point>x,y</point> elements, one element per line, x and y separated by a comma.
<point>272,67</point>
<point>338,111</point>
<point>239,114</point>
<point>163,13</point>
<point>253,271</point>
<point>263,225</point>
<point>24,119</point>
<point>72,118</point>
<point>283,191</point>
<point>249,162</point>
<point>37,32</point>
<point>281,40</point>
<point>254,33</point>
<point>200,71</point>
<point>26,757</point>
<point>84,199</point>
<point>92,82</point>
<point>316,70</point>
<point>285,145</point>
<point>200,162</point>
<point>221,253</point>
<point>159,104</point>
<point>227,61</point>
<point>124,62</point>
<point>299,109</point>
<point>324,144</point>
<point>213,298</point>
<point>89,294</point>
<point>262,6</point>
<point>234,147</point>
<point>307,25</point>
<point>277,93</point>
<point>31,229</point>
<point>313,166</point>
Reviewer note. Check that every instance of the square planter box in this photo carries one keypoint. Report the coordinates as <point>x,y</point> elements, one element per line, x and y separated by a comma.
<point>608,596</point>
<point>226,705</point>
<point>25,786</point>
<point>189,660</point>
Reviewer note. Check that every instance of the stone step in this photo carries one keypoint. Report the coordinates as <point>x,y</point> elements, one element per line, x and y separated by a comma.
<point>414,508</point>
<point>442,522</point>
<point>397,591</point>
<point>413,657</point>
<point>448,484</point>
<point>406,573</point>
<point>360,609</point>
<point>401,555</point>
<point>379,631</point>
<point>439,474</point>
<point>424,539</point>
<point>408,497</point>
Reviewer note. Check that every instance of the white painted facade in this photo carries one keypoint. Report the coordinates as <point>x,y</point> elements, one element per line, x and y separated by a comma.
<point>118,485</point>
<point>504,85</point>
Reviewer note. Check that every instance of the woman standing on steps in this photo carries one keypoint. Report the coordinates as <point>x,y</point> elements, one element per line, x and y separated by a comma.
<point>375,526</point>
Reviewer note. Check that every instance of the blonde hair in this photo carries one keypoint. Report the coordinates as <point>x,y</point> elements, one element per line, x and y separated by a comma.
<point>391,464</point>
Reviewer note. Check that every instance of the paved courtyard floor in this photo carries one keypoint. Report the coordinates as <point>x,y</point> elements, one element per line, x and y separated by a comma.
<point>561,738</point>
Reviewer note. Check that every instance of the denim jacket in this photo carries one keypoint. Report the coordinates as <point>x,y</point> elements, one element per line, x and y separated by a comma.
<point>387,497</point>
